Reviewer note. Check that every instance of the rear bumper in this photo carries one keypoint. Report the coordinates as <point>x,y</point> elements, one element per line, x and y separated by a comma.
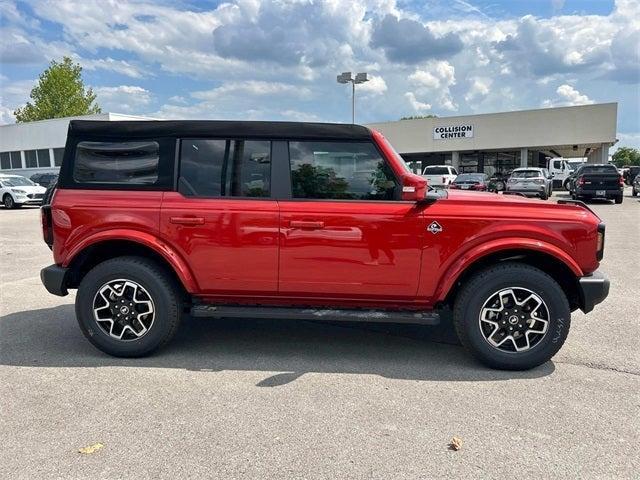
<point>608,193</point>
<point>534,191</point>
<point>54,279</point>
<point>593,289</point>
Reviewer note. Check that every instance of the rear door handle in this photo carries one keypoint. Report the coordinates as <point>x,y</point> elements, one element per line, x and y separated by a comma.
<point>187,220</point>
<point>306,224</point>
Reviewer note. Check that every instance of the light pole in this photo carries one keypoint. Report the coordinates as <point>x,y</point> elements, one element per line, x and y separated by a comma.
<point>345,77</point>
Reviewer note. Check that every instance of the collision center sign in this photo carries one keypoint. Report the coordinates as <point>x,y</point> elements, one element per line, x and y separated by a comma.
<point>453,131</point>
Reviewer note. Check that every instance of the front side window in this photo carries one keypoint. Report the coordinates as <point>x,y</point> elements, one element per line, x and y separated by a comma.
<point>128,163</point>
<point>340,170</point>
<point>225,168</point>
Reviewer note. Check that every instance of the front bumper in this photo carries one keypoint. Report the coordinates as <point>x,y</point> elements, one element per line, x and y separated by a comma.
<point>593,289</point>
<point>54,279</point>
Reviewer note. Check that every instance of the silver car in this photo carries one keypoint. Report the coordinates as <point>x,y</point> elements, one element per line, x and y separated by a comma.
<point>531,181</point>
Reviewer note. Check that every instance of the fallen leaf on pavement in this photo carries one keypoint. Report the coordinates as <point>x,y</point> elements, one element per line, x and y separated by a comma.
<point>456,444</point>
<point>91,449</point>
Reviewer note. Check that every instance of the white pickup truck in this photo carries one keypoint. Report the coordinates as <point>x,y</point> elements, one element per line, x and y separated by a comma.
<point>439,175</point>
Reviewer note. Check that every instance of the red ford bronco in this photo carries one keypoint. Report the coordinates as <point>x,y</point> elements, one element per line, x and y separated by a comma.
<point>154,220</point>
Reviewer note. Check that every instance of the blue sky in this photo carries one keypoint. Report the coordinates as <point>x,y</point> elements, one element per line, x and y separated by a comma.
<point>252,59</point>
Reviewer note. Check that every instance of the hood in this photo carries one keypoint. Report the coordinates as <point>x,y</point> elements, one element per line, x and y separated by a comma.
<point>517,205</point>
<point>30,188</point>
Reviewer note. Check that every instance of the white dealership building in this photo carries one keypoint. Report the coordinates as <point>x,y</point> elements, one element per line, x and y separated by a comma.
<point>487,143</point>
<point>499,142</point>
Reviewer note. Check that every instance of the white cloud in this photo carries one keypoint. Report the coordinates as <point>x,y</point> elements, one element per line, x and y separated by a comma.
<point>567,96</point>
<point>375,86</point>
<point>417,105</point>
<point>435,78</point>
<point>479,88</point>
<point>123,98</point>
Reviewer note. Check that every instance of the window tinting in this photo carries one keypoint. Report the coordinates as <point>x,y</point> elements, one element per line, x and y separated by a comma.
<point>16,160</point>
<point>131,163</point>
<point>436,171</point>
<point>5,161</point>
<point>31,159</point>
<point>340,170</point>
<point>599,169</point>
<point>43,158</point>
<point>57,156</point>
<point>225,168</point>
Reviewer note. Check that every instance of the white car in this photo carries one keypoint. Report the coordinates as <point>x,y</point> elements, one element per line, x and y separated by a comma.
<point>16,191</point>
<point>439,175</point>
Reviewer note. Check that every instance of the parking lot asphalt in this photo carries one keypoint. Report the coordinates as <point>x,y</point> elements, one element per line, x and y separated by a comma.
<point>285,399</point>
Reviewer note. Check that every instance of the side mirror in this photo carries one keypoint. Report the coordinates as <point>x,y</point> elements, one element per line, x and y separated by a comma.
<point>414,188</point>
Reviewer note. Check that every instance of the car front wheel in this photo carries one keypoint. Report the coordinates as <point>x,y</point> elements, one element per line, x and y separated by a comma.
<point>128,306</point>
<point>512,316</point>
<point>9,202</point>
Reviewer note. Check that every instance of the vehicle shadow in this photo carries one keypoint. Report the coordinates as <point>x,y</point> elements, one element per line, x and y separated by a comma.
<point>51,338</point>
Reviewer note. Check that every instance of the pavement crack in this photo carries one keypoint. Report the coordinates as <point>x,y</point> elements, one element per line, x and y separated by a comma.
<point>595,366</point>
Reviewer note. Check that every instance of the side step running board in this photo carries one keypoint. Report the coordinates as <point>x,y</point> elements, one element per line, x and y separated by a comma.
<point>289,313</point>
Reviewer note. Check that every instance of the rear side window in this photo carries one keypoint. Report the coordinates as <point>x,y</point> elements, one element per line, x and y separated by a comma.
<point>225,168</point>
<point>123,163</point>
<point>340,170</point>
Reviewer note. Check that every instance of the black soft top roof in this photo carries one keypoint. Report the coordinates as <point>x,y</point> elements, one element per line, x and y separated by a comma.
<point>217,128</point>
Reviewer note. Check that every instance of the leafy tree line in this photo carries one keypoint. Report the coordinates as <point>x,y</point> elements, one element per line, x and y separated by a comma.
<point>626,156</point>
<point>60,92</point>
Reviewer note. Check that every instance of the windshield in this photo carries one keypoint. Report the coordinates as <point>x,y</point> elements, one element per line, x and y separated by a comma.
<point>16,182</point>
<point>599,169</point>
<point>435,171</point>
<point>526,174</point>
<point>469,177</point>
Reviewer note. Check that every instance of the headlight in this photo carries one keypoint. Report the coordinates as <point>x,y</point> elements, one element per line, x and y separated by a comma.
<point>16,190</point>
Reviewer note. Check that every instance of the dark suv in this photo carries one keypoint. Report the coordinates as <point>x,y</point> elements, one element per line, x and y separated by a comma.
<point>154,220</point>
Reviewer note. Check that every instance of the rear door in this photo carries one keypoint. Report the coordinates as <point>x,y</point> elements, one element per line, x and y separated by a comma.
<point>344,233</point>
<point>223,219</point>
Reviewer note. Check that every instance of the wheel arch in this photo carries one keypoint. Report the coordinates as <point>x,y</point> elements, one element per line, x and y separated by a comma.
<point>562,271</point>
<point>100,250</point>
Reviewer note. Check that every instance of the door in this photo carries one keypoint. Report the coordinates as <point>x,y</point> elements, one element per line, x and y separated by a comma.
<point>344,234</point>
<point>222,219</point>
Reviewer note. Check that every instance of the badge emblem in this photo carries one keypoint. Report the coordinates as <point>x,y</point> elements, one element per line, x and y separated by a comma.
<point>434,227</point>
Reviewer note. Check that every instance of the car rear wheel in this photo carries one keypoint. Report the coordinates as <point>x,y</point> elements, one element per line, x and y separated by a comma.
<point>128,306</point>
<point>512,316</point>
<point>619,199</point>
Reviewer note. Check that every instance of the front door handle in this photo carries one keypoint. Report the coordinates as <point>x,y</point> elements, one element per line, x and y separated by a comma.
<point>187,220</point>
<point>306,224</point>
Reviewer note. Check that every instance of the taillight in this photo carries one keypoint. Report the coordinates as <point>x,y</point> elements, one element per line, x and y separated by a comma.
<point>621,181</point>
<point>47,225</point>
<point>479,186</point>
<point>600,242</point>
<point>581,180</point>
<point>539,180</point>
<point>444,180</point>
<point>453,185</point>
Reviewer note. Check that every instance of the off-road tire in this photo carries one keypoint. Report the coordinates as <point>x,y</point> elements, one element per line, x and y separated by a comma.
<point>482,285</point>
<point>166,294</point>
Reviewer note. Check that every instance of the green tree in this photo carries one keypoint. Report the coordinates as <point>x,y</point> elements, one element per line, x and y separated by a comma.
<point>60,92</point>
<point>626,156</point>
<point>418,117</point>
